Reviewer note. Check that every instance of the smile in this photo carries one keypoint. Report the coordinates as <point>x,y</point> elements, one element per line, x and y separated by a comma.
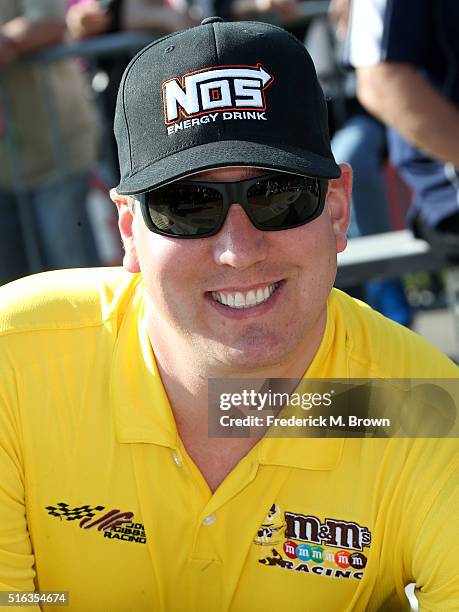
<point>247,299</point>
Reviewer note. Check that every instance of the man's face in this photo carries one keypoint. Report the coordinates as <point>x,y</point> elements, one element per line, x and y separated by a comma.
<point>290,273</point>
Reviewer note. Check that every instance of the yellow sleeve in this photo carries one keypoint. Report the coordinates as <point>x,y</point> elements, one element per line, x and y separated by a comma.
<point>16,557</point>
<point>436,550</point>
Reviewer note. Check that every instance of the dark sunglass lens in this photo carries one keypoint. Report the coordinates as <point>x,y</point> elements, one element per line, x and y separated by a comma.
<point>284,201</point>
<point>185,210</point>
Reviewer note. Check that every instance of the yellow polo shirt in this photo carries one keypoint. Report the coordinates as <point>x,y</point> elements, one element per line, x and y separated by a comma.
<point>99,498</point>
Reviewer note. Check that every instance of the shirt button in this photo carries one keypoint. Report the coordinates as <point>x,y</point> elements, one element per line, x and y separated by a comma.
<point>177,459</point>
<point>209,520</point>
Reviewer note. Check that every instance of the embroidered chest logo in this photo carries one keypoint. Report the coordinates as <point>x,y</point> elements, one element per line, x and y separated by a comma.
<point>114,524</point>
<point>330,548</point>
<point>199,97</point>
<point>270,532</point>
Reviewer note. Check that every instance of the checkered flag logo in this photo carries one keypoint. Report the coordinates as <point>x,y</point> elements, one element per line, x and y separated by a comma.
<point>63,511</point>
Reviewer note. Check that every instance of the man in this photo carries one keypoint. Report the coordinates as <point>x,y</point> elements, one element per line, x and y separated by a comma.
<point>406,56</point>
<point>54,175</point>
<point>111,488</point>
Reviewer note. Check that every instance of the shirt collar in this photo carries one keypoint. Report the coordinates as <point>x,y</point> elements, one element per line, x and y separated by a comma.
<point>140,405</point>
<point>311,453</point>
<point>307,454</point>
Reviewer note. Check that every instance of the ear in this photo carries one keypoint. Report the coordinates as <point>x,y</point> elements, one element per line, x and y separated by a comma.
<point>338,202</point>
<point>126,215</point>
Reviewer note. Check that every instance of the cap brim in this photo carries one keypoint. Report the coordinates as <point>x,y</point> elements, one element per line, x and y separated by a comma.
<point>228,153</point>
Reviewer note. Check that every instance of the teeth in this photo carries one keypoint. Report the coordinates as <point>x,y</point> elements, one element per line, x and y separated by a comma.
<point>239,300</point>
<point>247,300</point>
<point>260,296</point>
<point>250,299</point>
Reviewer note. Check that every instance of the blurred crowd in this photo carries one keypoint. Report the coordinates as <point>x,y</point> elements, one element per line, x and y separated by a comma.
<point>388,68</point>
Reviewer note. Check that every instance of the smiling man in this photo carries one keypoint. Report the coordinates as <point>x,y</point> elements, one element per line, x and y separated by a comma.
<point>232,211</point>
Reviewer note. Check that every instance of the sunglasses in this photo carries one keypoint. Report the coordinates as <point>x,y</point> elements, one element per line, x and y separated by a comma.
<point>273,202</point>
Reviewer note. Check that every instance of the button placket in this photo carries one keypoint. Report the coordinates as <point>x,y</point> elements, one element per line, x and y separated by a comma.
<point>209,520</point>
<point>177,458</point>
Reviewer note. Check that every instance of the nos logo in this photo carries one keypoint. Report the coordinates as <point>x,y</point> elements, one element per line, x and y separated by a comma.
<point>215,89</point>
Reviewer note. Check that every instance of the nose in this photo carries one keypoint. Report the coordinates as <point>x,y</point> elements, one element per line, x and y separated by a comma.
<point>239,244</point>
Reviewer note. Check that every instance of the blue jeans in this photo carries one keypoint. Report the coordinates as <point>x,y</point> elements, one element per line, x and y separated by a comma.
<point>360,142</point>
<point>59,218</point>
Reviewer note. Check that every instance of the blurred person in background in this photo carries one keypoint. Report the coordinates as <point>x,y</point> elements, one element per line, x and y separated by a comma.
<point>406,56</point>
<point>89,18</point>
<point>47,153</point>
<point>361,142</point>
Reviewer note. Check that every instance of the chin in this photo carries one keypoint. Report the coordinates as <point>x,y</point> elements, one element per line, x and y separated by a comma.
<point>248,363</point>
<point>256,354</point>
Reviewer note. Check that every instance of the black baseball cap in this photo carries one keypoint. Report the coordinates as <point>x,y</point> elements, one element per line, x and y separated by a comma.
<point>221,94</point>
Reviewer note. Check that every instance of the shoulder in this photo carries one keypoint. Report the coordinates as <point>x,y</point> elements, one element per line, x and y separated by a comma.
<point>64,299</point>
<point>378,347</point>
<point>378,31</point>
